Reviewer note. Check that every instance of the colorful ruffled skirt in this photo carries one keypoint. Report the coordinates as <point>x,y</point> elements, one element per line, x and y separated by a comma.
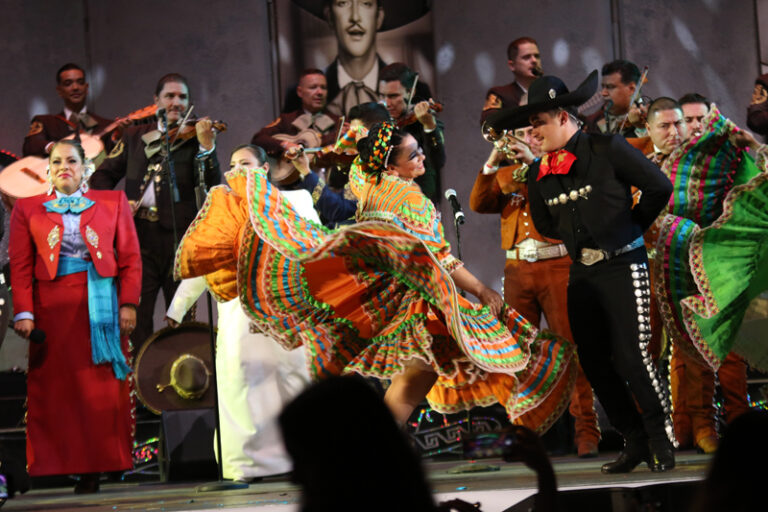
<point>729,264</point>
<point>371,297</point>
<point>706,277</point>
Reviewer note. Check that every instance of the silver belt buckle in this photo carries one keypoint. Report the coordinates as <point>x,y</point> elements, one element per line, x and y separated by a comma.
<point>591,256</point>
<point>528,254</point>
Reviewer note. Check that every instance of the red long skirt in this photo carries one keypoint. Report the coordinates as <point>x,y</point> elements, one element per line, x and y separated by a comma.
<point>79,416</point>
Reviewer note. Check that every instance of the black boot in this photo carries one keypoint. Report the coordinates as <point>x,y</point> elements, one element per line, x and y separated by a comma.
<point>635,452</point>
<point>662,455</point>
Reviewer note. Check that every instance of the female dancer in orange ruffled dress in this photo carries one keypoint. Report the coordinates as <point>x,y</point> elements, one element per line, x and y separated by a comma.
<point>379,297</point>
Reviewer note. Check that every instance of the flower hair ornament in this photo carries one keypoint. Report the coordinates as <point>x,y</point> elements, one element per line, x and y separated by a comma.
<point>382,148</point>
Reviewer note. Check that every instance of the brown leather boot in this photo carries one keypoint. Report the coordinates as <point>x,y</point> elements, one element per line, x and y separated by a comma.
<point>707,444</point>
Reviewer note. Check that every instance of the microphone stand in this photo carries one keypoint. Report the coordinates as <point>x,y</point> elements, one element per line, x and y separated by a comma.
<point>173,188</point>
<point>200,193</point>
<point>458,221</point>
<point>456,225</point>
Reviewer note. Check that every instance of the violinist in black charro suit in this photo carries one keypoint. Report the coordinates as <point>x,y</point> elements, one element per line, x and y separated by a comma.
<point>138,158</point>
<point>397,82</point>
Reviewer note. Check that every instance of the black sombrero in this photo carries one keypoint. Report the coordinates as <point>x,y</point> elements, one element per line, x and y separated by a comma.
<point>545,93</point>
<point>396,12</point>
<point>174,369</point>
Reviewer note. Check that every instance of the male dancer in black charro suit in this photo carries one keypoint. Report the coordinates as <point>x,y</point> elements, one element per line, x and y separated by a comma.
<point>138,157</point>
<point>580,192</point>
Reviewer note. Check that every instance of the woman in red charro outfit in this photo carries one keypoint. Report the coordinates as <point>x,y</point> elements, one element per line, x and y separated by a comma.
<point>76,276</point>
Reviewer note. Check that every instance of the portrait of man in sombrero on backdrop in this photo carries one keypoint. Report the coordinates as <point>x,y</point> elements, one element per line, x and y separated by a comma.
<point>351,40</point>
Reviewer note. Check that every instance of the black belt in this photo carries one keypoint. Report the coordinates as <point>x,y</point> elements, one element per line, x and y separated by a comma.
<point>592,256</point>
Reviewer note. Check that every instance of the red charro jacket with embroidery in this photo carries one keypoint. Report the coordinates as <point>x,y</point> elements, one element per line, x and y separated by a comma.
<point>107,229</point>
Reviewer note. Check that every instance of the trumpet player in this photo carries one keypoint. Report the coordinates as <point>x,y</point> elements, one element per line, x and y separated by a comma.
<point>536,269</point>
<point>524,60</point>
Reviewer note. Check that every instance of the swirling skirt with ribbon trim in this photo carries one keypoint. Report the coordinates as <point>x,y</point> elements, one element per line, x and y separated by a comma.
<point>370,297</point>
<point>708,277</point>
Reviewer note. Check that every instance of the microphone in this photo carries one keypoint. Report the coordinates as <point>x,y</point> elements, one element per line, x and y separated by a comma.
<point>458,215</point>
<point>161,115</point>
<point>37,336</point>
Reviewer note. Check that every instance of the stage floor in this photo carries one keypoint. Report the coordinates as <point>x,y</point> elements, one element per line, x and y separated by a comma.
<point>495,490</point>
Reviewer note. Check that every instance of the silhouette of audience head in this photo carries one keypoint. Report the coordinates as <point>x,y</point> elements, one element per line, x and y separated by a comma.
<point>737,472</point>
<point>348,453</point>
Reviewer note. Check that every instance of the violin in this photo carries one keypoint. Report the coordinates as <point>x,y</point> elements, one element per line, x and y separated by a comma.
<point>182,133</point>
<point>177,135</point>
<point>434,108</point>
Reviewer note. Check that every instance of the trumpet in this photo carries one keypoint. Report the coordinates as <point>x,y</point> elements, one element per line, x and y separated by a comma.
<point>502,141</point>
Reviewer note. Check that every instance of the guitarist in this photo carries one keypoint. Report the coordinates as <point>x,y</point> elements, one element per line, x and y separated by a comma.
<point>313,92</point>
<point>138,157</point>
<point>44,130</point>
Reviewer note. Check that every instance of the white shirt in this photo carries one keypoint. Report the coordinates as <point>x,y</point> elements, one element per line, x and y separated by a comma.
<point>68,113</point>
<point>371,80</point>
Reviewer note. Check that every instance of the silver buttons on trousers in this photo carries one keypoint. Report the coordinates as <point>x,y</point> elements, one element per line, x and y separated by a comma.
<point>642,286</point>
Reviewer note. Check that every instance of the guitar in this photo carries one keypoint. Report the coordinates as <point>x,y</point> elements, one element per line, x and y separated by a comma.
<point>285,172</point>
<point>27,177</point>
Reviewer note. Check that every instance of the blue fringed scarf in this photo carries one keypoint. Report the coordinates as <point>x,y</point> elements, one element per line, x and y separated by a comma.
<point>103,315</point>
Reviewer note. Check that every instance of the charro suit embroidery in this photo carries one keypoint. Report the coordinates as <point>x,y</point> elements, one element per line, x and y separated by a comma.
<point>54,236</point>
<point>91,236</point>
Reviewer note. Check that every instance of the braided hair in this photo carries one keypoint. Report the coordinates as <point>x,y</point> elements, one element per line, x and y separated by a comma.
<point>380,147</point>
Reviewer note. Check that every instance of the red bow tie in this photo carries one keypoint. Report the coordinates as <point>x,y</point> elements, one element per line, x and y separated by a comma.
<point>556,162</point>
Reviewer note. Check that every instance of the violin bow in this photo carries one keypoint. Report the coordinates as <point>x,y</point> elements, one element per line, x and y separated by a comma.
<point>182,123</point>
<point>341,129</point>
<point>636,95</point>
<point>413,91</point>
